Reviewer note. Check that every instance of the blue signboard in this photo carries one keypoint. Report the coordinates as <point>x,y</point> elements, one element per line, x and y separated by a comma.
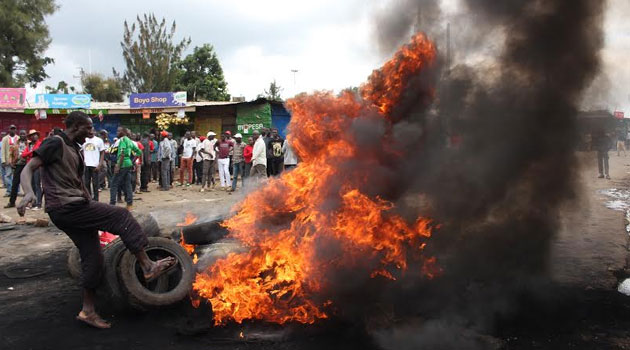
<point>158,99</point>
<point>64,101</point>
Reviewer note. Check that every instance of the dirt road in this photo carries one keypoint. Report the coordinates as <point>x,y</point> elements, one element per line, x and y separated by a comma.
<point>587,312</point>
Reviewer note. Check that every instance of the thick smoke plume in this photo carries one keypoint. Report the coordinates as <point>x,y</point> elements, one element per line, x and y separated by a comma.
<point>496,159</point>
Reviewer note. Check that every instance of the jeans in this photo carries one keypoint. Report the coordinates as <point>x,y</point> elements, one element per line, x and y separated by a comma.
<point>186,164</point>
<point>602,162</point>
<point>121,180</point>
<point>224,172</point>
<point>165,173</point>
<point>37,187</point>
<point>7,176</point>
<point>91,181</point>
<point>15,185</point>
<point>208,173</point>
<point>238,168</point>
<point>145,176</point>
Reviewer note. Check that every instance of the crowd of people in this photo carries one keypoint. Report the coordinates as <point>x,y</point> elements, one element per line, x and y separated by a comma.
<point>131,161</point>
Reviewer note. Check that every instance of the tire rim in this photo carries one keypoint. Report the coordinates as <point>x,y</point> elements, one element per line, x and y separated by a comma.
<point>167,281</point>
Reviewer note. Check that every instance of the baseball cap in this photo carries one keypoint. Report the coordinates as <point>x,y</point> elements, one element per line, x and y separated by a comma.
<point>238,136</point>
<point>227,132</point>
<point>12,126</point>
<point>164,133</point>
<point>211,133</point>
<point>32,131</point>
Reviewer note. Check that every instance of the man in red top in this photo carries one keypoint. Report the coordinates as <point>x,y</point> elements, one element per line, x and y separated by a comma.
<point>34,143</point>
<point>223,148</point>
<point>248,151</point>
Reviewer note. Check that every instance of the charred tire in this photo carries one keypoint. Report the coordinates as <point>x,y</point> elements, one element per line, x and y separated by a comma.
<point>179,279</point>
<point>204,232</point>
<point>149,224</point>
<point>74,263</point>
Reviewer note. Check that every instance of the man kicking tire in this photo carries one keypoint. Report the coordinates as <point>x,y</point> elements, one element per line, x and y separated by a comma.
<point>73,211</point>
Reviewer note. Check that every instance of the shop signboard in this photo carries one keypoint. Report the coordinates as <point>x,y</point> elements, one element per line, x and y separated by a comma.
<point>12,97</point>
<point>251,117</point>
<point>64,101</point>
<point>158,99</point>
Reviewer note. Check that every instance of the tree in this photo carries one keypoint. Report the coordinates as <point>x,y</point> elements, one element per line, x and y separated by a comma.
<point>23,39</point>
<point>62,88</point>
<point>201,76</point>
<point>151,57</point>
<point>102,89</point>
<point>273,94</point>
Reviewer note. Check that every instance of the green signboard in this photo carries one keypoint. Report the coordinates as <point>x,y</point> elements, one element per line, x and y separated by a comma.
<point>250,117</point>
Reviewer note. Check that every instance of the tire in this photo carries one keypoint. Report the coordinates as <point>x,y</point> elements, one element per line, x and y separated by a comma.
<point>205,232</point>
<point>148,223</point>
<point>141,295</point>
<point>74,263</point>
<point>110,286</point>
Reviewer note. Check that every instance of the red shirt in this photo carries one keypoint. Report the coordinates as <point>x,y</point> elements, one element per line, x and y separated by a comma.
<point>28,152</point>
<point>141,147</point>
<point>224,148</point>
<point>248,151</point>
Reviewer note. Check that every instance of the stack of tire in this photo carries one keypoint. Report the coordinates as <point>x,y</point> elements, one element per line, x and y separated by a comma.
<point>123,282</point>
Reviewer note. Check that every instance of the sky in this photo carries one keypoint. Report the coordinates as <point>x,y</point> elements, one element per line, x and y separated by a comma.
<point>331,44</point>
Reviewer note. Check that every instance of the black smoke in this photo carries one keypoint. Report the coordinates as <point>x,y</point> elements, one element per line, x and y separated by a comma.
<point>494,156</point>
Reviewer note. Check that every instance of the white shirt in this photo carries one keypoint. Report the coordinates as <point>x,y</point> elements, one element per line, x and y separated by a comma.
<point>92,149</point>
<point>259,154</point>
<point>197,156</point>
<point>208,146</point>
<point>188,147</point>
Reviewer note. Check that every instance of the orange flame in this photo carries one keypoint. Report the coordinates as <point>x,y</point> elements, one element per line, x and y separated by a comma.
<point>190,248</point>
<point>283,277</point>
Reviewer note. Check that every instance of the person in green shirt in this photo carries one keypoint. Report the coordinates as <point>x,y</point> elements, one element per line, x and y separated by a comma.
<point>123,167</point>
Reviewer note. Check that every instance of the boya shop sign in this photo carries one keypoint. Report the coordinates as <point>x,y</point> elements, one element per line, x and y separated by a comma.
<point>64,101</point>
<point>158,99</point>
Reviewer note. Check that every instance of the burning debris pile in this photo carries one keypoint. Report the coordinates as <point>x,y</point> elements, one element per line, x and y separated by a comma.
<point>325,216</point>
<point>357,220</point>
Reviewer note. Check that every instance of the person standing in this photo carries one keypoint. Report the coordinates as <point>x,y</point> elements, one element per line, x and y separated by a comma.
<point>602,144</point>
<point>275,149</point>
<point>621,142</point>
<point>189,144</point>
<point>94,157</point>
<point>7,170</point>
<point>290,159</point>
<point>208,156</point>
<point>259,157</point>
<point>146,168</point>
<point>166,152</point>
<point>104,174</point>
<point>34,142</point>
<point>174,157</point>
<point>223,148</point>
<point>238,160</point>
<point>2,135</point>
<point>69,207</point>
<point>247,156</point>
<point>197,161</point>
<point>17,164</point>
<point>122,169</point>
<point>153,164</point>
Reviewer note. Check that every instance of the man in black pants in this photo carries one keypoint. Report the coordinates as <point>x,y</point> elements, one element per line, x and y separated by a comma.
<point>147,165</point>
<point>71,209</point>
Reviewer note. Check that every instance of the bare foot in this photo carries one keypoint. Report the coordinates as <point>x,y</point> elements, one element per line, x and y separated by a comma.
<point>159,267</point>
<point>93,319</point>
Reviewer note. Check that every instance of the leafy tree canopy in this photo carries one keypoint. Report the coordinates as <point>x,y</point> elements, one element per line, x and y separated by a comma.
<point>23,39</point>
<point>201,76</point>
<point>102,89</point>
<point>151,57</point>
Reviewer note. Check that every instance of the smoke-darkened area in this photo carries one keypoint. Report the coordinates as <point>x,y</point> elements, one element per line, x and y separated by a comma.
<point>495,157</point>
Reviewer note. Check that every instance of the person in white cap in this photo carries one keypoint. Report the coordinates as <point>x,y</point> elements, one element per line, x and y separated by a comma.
<point>238,160</point>
<point>207,153</point>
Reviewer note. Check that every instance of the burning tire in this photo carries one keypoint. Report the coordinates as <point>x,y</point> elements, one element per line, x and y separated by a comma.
<point>204,232</point>
<point>170,288</point>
